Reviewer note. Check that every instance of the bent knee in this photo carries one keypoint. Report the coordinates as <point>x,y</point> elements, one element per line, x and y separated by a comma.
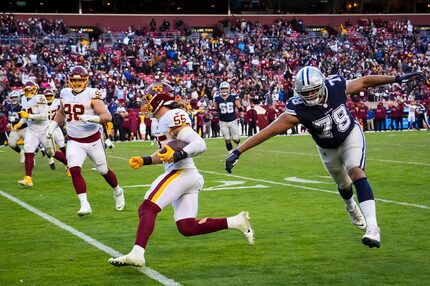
<point>356,173</point>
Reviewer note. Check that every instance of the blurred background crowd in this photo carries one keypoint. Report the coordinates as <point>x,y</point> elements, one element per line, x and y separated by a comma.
<point>259,61</point>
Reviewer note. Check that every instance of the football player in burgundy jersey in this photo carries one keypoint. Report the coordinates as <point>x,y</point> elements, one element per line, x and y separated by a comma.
<point>181,182</point>
<point>83,110</point>
<point>320,105</point>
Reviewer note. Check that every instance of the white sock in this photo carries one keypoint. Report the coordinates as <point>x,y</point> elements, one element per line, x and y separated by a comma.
<point>350,203</point>
<point>83,199</point>
<point>137,249</point>
<point>233,222</point>
<point>369,212</point>
<point>117,190</point>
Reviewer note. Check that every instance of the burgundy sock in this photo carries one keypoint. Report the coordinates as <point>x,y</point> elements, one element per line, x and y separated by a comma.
<point>111,179</point>
<point>29,163</point>
<point>147,214</point>
<point>191,226</point>
<point>60,156</point>
<point>78,180</point>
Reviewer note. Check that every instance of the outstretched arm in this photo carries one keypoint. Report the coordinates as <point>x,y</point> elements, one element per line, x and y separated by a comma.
<point>279,126</point>
<point>356,85</point>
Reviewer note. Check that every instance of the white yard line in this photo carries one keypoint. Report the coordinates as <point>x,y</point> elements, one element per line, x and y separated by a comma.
<point>299,186</point>
<point>103,247</point>
<point>316,155</point>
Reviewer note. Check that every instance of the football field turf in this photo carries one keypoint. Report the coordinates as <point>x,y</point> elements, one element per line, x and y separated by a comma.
<point>303,233</point>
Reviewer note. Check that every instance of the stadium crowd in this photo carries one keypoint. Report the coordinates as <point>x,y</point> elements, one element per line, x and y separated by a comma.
<point>259,62</point>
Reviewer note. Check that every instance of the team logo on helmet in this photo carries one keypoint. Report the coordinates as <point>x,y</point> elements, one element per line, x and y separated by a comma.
<point>157,95</point>
<point>30,89</point>
<point>310,86</point>
<point>78,79</point>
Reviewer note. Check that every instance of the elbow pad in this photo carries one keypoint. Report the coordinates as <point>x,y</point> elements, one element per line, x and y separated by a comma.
<point>196,145</point>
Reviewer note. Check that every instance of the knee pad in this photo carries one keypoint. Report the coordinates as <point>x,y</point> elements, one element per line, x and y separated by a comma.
<point>102,169</point>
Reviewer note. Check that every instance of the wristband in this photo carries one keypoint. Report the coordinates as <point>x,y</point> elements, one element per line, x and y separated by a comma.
<point>147,160</point>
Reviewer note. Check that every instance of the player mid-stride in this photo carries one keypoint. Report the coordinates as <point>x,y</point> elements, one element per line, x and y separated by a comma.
<point>181,182</point>
<point>320,105</point>
<point>83,110</point>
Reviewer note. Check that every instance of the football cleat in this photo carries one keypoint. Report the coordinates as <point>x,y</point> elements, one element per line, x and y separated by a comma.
<point>119,200</point>
<point>26,182</point>
<point>85,210</point>
<point>136,257</point>
<point>372,238</point>
<point>356,217</point>
<point>244,226</point>
<point>52,163</point>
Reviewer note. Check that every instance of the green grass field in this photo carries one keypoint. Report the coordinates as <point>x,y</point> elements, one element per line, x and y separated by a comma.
<point>303,234</point>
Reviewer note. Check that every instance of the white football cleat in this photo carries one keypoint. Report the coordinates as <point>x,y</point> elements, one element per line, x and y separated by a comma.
<point>85,210</point>
<point>372,238</point>
<point>242,223</point>
<point>136,257</point>
<point>119,200</point>
<point>356,217</point>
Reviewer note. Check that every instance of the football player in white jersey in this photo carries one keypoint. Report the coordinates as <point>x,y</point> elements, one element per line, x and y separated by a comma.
<point>36,114</point>
<point>180,184</point>
<point>53,107</point>
<point>83,110</point>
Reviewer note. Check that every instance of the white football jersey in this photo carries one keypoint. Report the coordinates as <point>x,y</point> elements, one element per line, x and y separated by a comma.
<point>173,118</point>
<point>74,106</point>
<point>53,108</point>
<point>37,106</point>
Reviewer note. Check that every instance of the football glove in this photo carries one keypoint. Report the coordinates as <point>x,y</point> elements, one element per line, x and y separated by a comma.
<point>90,118</point>
<point>408,77</point>
<point>172,156</point>
<point>24,114</point>
<point>232,160</point>
<point>16,127</point>
<point>109,144</point>
<point>136,162</point>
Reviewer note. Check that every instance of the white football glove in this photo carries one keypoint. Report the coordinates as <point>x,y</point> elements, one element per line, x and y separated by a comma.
<point>90,118</point>
<point>51,129</point>
<point>110,144</point>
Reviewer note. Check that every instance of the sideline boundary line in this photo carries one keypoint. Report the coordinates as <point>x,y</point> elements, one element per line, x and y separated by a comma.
<point>97,244</point>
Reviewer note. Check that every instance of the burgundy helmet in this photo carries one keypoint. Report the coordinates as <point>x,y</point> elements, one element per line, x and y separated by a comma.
<point>30,88</point>
<point>49,94</point>
<point>157,95</point>
<point>78,78</point>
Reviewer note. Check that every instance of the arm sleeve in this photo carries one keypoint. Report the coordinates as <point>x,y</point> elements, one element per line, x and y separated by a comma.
<point>196,145</point>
